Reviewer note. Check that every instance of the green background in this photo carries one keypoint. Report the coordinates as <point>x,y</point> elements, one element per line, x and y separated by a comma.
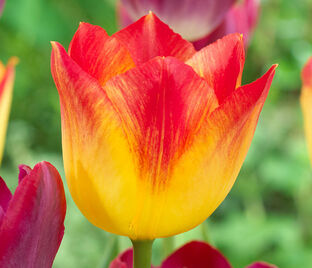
<point>267,215</point>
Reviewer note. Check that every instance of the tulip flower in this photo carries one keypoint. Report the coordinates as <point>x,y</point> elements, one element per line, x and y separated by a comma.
<point>192,19</point>
<point>32,220</point>
<point>241,18</point>
<point>153,133</point>
<point>306,102</point>
<point>194,254</point>
<point>199,21</point>
<point>1,6</point>
<point>6,90</point>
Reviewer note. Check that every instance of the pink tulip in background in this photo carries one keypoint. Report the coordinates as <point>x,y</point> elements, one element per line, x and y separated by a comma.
<point>32,220</point>
<point>1,6</point>
<point>194,254</point>
<point>199,21</point>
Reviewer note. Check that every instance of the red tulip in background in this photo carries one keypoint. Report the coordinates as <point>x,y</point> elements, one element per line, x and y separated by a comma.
<point>32,220</point>
<point>192,255</point>
<point>199,21</point>
<point>1,6</point>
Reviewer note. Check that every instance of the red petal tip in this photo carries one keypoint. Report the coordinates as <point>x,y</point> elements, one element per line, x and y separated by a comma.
<point>24,170</point>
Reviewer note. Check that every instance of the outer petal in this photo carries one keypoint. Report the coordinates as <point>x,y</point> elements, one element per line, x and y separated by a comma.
<point>205,173</point>
<point>33,226</point>
<point>261,265</point>
<point>242,18</point>
<point>149,37</point>
<point>306,74</point>
<point>97,160</point>
<point>98,54</point>
<point>193,19</point>
<point>196,255</point>
<point>306,102</point>
<point>6,89</point>
<point>119,152</point>
<point>221,64</point>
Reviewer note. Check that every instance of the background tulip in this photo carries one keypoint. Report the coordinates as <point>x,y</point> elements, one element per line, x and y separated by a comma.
<point>192,19</point>
<point>32,220</point>
<point>241,18</point>
<point>1,6</point>
<point>200,21</point>
<point>192,255</point>
<point>152,151</point>
<point>306,102</point>
<point>6,90</point>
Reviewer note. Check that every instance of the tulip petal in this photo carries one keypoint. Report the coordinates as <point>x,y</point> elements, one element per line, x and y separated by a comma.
<point>261,265</point>
<point>243,100</point>
<point>205,173</point>
<point>230,129</point>
<point>149,37</point>
<point>92,136</point>
<point>7,75</point>
<point>124,260</point>
<point>242,18</point>
<point>192,19</point>
<point>5,196</point>
<point>221,64</point>
<point>23,172</point>
<point>33,226</point>
<point>180,100</point>
<point>306,102</point>
<point>306,74</point>
<point>98,54</point>
<point>196,254</point>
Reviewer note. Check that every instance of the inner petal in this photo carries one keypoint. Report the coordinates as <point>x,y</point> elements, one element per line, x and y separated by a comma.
<point>100,55</point>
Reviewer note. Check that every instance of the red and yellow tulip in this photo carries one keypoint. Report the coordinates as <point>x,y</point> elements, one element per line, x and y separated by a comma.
<point>306,102</point>
<point>6,90</point>
<point>154,133</point>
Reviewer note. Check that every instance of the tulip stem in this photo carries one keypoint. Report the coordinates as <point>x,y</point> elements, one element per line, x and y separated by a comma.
<point>142,253</point>
<point>168,246</point>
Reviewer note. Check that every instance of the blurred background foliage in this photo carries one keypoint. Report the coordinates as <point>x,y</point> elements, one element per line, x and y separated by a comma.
<point>267,215</point>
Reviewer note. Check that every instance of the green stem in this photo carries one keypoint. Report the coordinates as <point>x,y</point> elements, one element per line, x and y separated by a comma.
<point>205,232</point>
<point>168,246</point>
<point>142,253</point>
